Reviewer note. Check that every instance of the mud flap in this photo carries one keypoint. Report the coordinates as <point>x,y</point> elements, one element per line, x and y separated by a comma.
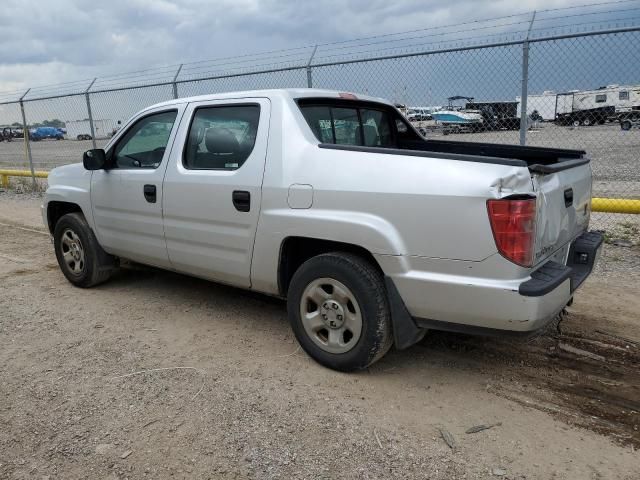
<point>405,330</point>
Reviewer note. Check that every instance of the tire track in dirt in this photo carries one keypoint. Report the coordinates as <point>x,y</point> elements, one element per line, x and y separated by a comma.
<point>579,376</point>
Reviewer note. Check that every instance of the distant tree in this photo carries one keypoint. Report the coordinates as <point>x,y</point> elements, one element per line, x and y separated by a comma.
<point>16,124</point>
<point>54,123</point>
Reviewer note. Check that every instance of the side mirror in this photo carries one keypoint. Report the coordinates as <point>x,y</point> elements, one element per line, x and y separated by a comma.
<point>94,159</point>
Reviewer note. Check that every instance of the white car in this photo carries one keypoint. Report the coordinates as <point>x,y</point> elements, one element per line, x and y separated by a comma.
<point>334,201</point>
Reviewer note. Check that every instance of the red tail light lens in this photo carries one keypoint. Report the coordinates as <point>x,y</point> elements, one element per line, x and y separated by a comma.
<point>513,223</point>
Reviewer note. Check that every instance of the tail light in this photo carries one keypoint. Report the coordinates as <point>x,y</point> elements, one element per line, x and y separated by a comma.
<point>513,223</point>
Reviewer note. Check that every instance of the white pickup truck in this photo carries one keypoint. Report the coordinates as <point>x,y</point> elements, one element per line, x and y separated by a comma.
<point>333,201</point>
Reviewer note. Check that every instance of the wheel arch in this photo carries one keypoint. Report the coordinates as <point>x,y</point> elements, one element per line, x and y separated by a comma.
<point>295,250</point>
<point>56,209</point>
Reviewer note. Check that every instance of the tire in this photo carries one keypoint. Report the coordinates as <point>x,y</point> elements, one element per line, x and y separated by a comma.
<point>575,123</point>
<point>625,125</point>
<point>586,122</point>
<point>80,256</point>
<point>355,310</point>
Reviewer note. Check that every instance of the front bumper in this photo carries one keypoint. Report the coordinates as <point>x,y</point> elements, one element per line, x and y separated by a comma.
<point>471,296</point>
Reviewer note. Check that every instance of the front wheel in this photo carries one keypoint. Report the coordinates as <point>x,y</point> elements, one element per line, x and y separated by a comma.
<point>625,125</point>
<point>339,311</point>
<point>80,256</point>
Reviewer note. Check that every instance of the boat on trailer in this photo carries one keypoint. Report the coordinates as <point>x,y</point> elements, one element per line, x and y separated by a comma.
<point>456,118</point>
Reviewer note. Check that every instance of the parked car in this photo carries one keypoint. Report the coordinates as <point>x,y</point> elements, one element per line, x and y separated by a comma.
<point>7,134</point>
<point>42,133</point>
<point>372,233</point>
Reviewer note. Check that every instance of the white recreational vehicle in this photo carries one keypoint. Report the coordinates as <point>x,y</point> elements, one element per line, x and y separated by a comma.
<point>586,107</point>
<point>81,129</point>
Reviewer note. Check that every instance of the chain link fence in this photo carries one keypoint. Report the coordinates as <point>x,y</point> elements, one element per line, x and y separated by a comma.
<point>577,90</point>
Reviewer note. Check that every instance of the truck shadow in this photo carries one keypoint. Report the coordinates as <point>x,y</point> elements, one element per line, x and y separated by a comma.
<point>575,373</point>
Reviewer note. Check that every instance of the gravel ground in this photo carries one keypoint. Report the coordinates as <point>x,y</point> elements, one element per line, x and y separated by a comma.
<point>157,375</point>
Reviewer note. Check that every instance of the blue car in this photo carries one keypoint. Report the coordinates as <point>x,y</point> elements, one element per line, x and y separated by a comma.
<point>41,133</point>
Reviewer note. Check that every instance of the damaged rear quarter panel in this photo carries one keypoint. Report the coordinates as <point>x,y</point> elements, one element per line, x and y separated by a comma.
<point>437,206</point>
<point>557,224</point>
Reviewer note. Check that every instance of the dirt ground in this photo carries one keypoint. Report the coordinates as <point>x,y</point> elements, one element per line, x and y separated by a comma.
<point>157,375</point>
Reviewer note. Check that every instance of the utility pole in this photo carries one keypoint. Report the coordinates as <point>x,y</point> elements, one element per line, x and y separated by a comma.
<point>309,79</point>
<point>93,130</point>
<point>175,84</point>
<point>525,85</point>
<point>27,145</point>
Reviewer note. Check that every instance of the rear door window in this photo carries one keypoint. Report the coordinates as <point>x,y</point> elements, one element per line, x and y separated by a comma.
<point>346,125</point>
<point>221,137</point>
<point>342,125</point>
<point>319,119</point>
<point>376,130</point>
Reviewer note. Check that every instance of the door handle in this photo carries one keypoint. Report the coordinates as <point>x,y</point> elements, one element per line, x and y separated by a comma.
<point>150,193</point>
<point>241,200</point>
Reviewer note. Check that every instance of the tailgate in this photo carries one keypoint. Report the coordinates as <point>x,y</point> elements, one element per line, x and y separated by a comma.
<point>564,204</point>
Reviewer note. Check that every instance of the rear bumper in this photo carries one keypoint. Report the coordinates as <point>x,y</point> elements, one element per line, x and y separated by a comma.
<point>466,296</point>
<point>580,262</point>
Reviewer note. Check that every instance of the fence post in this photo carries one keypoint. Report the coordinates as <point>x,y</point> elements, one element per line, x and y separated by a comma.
<point>309,79</point>
<point>93,130</point>
<point>175,84</point>
<point>525,85</point>
<point>27,145</point>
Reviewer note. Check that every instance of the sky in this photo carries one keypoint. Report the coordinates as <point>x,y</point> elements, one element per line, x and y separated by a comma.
<point>49,42</point>
<point>60,46</point>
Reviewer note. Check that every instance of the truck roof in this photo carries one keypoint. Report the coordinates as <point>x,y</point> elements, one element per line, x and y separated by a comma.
<point>290,93</point>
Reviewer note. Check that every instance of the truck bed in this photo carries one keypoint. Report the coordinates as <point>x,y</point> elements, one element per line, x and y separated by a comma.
<point>537,159</point>
<point>531,155</point>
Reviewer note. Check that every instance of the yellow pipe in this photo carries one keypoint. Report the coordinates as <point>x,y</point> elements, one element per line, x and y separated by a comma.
<point>5,174</point>
<point>22,173</point>
<point>615,205</point>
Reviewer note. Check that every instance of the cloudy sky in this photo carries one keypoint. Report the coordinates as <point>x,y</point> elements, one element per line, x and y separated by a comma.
<point>48,42</point>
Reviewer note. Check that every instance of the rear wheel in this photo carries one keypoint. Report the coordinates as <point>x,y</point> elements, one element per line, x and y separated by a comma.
<point>80,256</point>
<point>339,312</point>
<point>625,125</point>
<point>586,122</point>
<point>576,123</point>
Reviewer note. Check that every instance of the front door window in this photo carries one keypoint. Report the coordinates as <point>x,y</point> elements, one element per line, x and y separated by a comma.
<point>143,145</point>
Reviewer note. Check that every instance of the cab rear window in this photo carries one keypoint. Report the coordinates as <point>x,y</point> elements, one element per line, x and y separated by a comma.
<point>349,125</point>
